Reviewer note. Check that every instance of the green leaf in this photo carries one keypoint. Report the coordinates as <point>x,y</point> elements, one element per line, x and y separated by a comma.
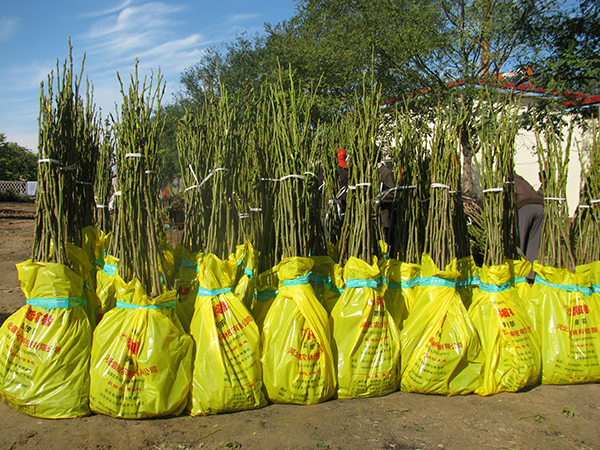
<point>568,412</point>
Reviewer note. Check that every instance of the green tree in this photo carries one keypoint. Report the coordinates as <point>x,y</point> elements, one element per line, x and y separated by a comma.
<point>571,61</point>
<point>418,50</point>
<point>16,163</point>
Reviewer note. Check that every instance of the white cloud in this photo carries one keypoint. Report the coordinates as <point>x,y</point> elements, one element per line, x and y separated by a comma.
<point>8,25</point>
<point>243,17</point>
<point>109,10</point>
<point>153,32</point>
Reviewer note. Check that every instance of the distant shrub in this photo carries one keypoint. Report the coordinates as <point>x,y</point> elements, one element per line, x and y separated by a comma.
<point>9,196</point>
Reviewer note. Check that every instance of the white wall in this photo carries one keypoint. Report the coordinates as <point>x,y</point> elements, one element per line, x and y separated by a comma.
<point>526,162</point>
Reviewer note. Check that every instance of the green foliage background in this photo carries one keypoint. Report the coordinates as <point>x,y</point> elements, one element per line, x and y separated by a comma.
<point>16,163</point>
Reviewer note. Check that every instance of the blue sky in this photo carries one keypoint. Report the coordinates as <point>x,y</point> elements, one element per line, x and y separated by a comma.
<point>170,35</point>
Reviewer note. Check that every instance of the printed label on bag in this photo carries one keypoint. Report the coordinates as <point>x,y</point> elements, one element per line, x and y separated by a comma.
<point>374,360</point>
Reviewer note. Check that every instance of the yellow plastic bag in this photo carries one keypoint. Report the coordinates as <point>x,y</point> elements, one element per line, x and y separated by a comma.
<point>45,346</point>
<point>333,251</point>
<point>95,245</point>
<point>298,364</point>
<point>141,363</point>
<point>519,269</point>
<point>588,277</point>
<point>441,352</point>
<point>187,285</point>
<point>322,280</point>
<point>227,370</point>
<point>565,321</point>
<point>366,336</point>
<point>467,282</point>
<point>594,279</point>
<point>105,283</point>
<point>266,292</point>
<point>168,259</point>
<point>508,340</point>
<point>403,285</point>
<point>246,284</point>
<point>82,265</point>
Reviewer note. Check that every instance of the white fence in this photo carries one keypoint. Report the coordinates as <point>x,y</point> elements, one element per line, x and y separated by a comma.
<point>19,187</point>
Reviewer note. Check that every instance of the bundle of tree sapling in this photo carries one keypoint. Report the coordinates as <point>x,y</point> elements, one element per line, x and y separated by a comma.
<point>584,228</point>
<point>227,373</point>
<point>365,333</point>
<point>441,352</point>
<point>509,344</point>
<point>141,355</point>
<point>402,270</point>
<point>563,316</point>
<point>297,356</point>
<point>45,345</point>
<point>588,241</point>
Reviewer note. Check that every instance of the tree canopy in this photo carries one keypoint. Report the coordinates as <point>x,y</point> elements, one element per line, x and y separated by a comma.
<point>411,45</point>
<point>571,39</point>
<point>16,163</point>
<point>417,51</point>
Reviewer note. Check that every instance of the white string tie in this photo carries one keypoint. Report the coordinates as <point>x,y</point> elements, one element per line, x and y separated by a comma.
<point>49,160</point>
<point>496,189</point>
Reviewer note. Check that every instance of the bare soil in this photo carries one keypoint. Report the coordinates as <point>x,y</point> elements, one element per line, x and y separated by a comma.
<point>544,417</point>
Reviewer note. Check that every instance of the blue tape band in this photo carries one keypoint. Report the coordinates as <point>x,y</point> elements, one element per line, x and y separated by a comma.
<point>109,269</point>
<point>489,287</point>
<point>370,283</point>
<point>437,281</point>
<point>249,272</point>
<point>205,292</point>
<point>563,287</point>
<point>319,279</point>
<point>587,291</point>
<point>297,281</point>
<point>407,284</point>
<point>471,281</point>
<point>170,304</point>
<point>596,288</point>
<point>515,280</point>
<point>192,265</point>
<point>267,294</point>
<point>54,303</point>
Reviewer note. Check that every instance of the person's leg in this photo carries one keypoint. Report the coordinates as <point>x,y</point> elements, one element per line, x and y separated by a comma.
<point>531,219</point>
<point>535,232</point>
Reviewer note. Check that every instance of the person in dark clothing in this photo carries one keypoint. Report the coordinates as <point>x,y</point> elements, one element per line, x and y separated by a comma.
<point>343,172</point>
<point>531,218</point>
<point>388,183</point>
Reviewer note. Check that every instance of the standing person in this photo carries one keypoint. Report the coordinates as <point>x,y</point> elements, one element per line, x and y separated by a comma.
<point>343,172</point>
<point>531,219</point>
<point>388,184</point>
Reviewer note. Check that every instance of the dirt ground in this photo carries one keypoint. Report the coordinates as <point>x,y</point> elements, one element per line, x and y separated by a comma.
<point>544,417</point>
